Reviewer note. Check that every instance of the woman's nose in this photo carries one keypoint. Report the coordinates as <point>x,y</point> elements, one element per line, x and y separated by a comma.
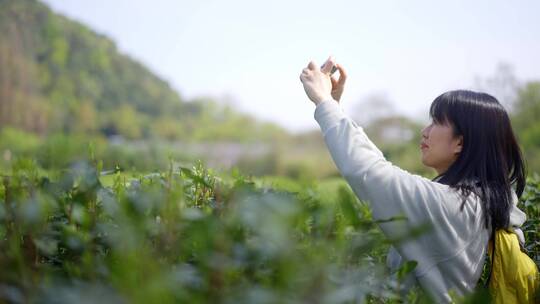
<point>424,132</point>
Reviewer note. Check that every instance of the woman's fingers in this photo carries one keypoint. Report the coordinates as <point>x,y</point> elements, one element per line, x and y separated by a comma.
<point>328,65</point>
<point>312,65</point>
<point>342,74</point>
<point>303,77</point>
<point>304,74</point>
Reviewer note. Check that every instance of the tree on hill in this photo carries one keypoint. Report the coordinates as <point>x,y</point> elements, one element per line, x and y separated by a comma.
<point>60,76</point>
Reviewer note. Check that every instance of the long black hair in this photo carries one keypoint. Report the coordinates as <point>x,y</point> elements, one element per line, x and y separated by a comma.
<point>490,162</point>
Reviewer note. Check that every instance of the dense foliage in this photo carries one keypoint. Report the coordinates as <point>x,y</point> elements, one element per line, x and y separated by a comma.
<point>526,122</point>
<point>189,234</point>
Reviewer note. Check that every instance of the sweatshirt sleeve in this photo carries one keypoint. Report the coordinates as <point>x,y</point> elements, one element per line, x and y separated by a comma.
<point>389,190</point>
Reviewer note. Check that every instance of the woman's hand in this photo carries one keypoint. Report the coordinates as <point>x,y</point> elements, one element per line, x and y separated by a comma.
<point>338,85</point>
<point>317,82</point>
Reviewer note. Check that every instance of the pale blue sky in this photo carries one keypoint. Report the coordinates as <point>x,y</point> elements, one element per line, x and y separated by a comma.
<point>252,52</point>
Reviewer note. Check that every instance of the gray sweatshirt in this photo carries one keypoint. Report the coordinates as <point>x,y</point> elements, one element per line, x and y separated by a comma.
<point>451,255</point>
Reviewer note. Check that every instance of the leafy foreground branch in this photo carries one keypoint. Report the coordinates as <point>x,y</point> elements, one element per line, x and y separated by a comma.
<point>187,235</point>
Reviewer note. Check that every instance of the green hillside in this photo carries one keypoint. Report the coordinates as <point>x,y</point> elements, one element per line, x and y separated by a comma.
<point>60,76</point>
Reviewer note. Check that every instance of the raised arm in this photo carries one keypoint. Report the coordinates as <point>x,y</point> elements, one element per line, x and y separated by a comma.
<point>388,189</point>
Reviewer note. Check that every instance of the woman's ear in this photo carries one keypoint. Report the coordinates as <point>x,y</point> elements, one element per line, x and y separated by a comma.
<point>459,144</point>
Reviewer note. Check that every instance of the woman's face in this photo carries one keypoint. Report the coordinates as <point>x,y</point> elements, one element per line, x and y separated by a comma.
<point>439,148</point>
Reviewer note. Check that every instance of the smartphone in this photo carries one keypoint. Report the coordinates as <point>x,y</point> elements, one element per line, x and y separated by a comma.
<point>334,69</point>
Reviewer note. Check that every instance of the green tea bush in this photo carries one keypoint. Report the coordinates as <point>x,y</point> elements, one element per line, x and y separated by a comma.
<point>531,228</point>
<point>188,235</point>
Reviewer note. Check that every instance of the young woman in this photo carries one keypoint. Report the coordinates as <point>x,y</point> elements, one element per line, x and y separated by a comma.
<point>481,174</point>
